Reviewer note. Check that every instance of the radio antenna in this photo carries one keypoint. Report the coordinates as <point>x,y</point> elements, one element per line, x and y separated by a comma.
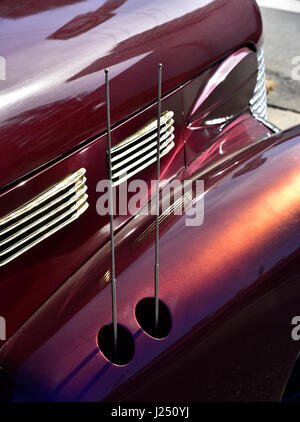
<point>111,208</point>
<point>156,268</point>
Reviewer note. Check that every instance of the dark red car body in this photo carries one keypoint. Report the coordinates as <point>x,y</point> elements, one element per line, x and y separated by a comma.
<point>231,285</point>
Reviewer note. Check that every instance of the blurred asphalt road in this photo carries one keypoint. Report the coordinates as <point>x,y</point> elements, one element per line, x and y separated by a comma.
<point>282,44</point>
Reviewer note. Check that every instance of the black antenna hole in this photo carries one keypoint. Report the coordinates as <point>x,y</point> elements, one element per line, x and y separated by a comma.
<point>123,353</point>
<point>145,315</point>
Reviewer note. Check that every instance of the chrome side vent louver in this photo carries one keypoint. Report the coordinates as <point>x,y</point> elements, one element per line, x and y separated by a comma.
<point>139,150</point>
<point>258,103</point>
<point>42,216</point>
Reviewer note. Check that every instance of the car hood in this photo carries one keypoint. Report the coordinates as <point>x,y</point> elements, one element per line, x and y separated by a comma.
<point>54,54</point>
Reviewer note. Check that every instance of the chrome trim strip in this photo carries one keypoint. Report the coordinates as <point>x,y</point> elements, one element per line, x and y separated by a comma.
<point>144,131</point>
<point>44,196</point>
<point>41,210</point>
<point>72,187</point>
<point>165,128</point>
<point>261,95</point>
<point>260,53</point>
<point>260,85</point>
<point>142,152</point>
<point>141,147</point>
<point>261,71</point>
<point>75,199</point>
<point>258,103</point>
<point>142,167</point>
<point>42,229</point>
<point>143,158</point>
<point>46,235</point>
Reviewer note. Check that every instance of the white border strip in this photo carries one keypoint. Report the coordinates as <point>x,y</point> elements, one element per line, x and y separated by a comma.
<point>285,5</point>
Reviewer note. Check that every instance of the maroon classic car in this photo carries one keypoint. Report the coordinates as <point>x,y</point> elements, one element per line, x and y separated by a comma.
<point>134,305</point>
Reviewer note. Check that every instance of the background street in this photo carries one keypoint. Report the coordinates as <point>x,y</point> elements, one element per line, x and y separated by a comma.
<point>282,44</point>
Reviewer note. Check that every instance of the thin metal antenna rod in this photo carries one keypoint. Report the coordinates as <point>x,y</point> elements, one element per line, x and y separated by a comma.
<point>112,242</point>
<point>156,268</point>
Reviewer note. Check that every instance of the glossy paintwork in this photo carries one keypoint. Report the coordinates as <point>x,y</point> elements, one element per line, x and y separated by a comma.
<point>227,79</point>
<point>214,99</point>
<point>231,284</point>
<point>75,244</point>
<point>53,98</point>
<point>240,269</point>
<point>28,281</point>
